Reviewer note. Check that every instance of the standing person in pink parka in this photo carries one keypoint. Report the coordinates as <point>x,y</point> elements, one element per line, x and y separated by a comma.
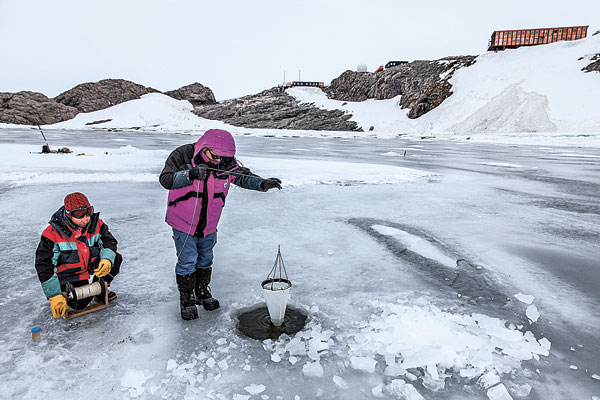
<point>198,177</point>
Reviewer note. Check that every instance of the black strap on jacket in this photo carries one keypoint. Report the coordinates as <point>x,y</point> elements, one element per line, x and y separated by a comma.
<point>186,196</point>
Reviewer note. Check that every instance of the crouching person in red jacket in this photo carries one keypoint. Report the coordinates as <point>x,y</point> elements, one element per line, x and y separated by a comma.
<point>75,245</point>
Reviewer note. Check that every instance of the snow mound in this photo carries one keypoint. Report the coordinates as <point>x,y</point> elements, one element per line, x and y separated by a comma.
<point>513,110</point>
<point>153,111</point>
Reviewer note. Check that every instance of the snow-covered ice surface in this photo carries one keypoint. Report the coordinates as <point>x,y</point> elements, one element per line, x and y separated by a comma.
<point>416,262</point>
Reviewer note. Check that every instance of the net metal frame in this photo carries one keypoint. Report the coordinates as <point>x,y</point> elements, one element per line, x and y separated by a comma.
<point>277,274</point>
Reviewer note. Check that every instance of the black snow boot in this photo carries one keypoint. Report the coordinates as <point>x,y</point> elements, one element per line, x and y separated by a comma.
<point>203,296</point>
<point>187,303</point>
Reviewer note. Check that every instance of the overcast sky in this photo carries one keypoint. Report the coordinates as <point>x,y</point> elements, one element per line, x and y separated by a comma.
<point>240,47</point>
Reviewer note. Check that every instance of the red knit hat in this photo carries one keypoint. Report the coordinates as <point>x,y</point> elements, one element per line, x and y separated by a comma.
<point>76,200</point>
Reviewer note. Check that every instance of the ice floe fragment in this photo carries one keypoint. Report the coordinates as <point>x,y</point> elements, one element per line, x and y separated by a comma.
<point>255,389</point>
<point>171,364</point>
<point>403,390</point>
<point>532,313</point>
<point>545,343</point>
<point>498,392</point>
<point>211,362</point>
<point>313,369</point>
<point>525,298</point>
<point>377,391</point>
<point>134,380</point>
<point>340,382</point>
<point>366,364</point>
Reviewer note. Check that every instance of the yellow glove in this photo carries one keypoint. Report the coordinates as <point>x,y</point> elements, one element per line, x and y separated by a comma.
<point>58,304</point>
<point>103,268</point>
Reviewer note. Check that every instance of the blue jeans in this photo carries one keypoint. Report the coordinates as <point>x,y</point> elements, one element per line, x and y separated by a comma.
<point>195,253</point>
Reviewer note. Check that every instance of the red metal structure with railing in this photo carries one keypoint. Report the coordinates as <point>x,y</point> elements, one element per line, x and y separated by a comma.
<point>531,37</point>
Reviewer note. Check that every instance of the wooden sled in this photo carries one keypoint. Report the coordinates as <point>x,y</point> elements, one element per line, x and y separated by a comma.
<point>72,313</point>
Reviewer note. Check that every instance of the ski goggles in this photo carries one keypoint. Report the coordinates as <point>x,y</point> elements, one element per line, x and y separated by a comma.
<point>81,212</point>
<point>213,155</point>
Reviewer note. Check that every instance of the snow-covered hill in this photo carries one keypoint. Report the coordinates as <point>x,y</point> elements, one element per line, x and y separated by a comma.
<point>515,95</point>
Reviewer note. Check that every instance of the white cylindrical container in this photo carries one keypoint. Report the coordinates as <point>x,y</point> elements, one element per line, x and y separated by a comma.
<point>277,294</point>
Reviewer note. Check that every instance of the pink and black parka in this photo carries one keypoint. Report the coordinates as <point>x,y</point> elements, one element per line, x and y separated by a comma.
<point>196,205</point>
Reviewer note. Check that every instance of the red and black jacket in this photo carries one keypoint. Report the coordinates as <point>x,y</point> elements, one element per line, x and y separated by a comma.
<point>67,253</point>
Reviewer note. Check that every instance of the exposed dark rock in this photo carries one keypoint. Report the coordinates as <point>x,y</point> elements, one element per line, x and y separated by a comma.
<point>423,84</point>
<point>276,109</point>
<point>196,93</point>
<point>32,108</point>
<point>94,96</point>
<point>595,65</point>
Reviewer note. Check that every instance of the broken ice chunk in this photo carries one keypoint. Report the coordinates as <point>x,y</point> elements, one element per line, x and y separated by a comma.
<point>255,389</point>
<point>488,380</point>
<point>525,298</point>
<point>296,347</point>
<point>340,382</point>
<point>377,391</point>
<point>470,372</point>
<point>573,367</point>
<point>210,362</point>
<point>366,364</point>
<point>403,390</point>
<point>134,380</point>
<point>171,364</point>
<point>532,313</point>
<point>275,357</point>
<point>223,365</point>
<point>545,343</point>
<point>312,369</point>
<point>498,392</point>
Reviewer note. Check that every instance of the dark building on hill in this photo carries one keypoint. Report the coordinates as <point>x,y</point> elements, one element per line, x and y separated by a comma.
<point>531,37</point>
<point>395,63</point>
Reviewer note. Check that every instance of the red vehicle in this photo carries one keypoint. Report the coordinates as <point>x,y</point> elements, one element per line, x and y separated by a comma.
<point>530,37</point>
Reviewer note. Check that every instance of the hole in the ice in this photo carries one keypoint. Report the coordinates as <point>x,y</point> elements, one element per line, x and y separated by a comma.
<point>256,323</point>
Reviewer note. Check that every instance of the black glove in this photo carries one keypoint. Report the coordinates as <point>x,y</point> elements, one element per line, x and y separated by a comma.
<point>227,163</point>
<point>199,172</point>
<point>270,184</point>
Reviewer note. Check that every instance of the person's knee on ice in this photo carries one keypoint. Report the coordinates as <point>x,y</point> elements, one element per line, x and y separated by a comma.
<point>198,177</point>
<point>85,248</point>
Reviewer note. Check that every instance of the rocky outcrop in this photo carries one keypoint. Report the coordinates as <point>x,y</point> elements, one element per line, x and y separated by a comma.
<point>275,109</point>
<point>32,108</point>
<point>196,93</point>
<point>94,96</point>
<point>595,65</point>
<point>423,84</point>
